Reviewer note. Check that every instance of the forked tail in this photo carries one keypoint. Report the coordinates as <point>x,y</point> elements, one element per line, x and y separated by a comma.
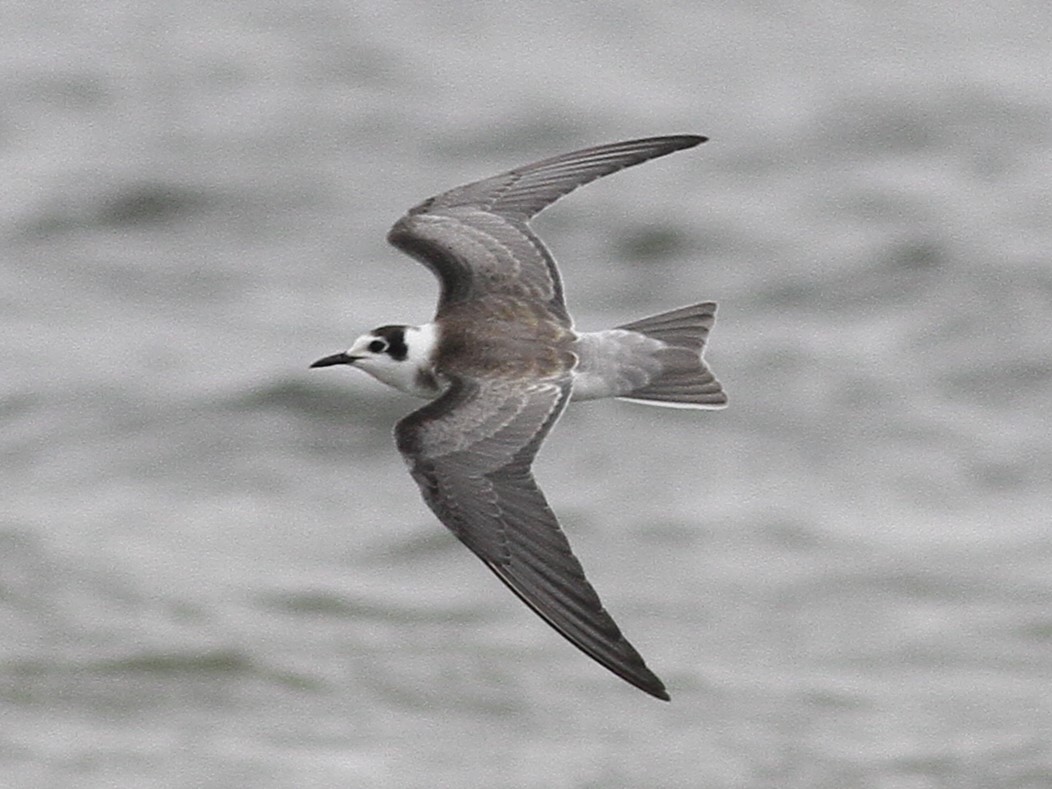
<point>683,380</point>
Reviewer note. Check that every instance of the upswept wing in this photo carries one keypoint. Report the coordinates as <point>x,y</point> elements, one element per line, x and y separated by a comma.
<point>476,240</point>
<point>470,452</point>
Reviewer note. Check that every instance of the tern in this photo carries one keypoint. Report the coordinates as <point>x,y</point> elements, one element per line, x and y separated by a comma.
<point>499,363</point>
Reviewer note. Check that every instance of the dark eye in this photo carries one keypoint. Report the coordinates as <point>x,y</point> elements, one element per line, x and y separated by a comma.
<point>377,346</point>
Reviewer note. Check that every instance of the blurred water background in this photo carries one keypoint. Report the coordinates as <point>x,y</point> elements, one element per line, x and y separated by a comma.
<point>214,570</point>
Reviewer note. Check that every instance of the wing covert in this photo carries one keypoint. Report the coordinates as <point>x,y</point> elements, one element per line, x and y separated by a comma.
<point>476,240</point>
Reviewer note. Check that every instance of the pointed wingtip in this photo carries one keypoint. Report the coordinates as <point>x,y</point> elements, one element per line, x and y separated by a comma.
<point>689,140</point>
<point>655,688</point>
<point>672,142</point>
<point>647,681</point>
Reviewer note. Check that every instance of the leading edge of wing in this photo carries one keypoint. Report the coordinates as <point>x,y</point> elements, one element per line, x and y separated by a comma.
<point>485,494</point>
<point>522,192</point>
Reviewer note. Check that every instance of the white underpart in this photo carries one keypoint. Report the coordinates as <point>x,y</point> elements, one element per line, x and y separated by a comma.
<point>404,375</point>
<point>613,363</point>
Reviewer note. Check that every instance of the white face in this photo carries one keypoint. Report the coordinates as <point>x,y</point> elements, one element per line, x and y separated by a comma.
<point>373,355</point>
<point>397,359</point>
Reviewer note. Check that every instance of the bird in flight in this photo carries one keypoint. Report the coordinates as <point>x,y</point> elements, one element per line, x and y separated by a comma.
<point>499,363</point>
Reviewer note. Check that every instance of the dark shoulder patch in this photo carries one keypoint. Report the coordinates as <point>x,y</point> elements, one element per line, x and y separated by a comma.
<point>425,379</point>
<point>395,336</point>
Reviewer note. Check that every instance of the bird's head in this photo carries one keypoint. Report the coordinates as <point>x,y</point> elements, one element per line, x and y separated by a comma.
<point>399,356</point>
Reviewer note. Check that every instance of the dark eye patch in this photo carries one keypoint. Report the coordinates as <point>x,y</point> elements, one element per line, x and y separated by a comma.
<point>377,346</point>
<point>395,337</point>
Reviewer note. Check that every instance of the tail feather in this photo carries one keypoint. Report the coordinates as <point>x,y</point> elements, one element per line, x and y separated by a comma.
<point>683,327</point>
<point>685,381</point>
